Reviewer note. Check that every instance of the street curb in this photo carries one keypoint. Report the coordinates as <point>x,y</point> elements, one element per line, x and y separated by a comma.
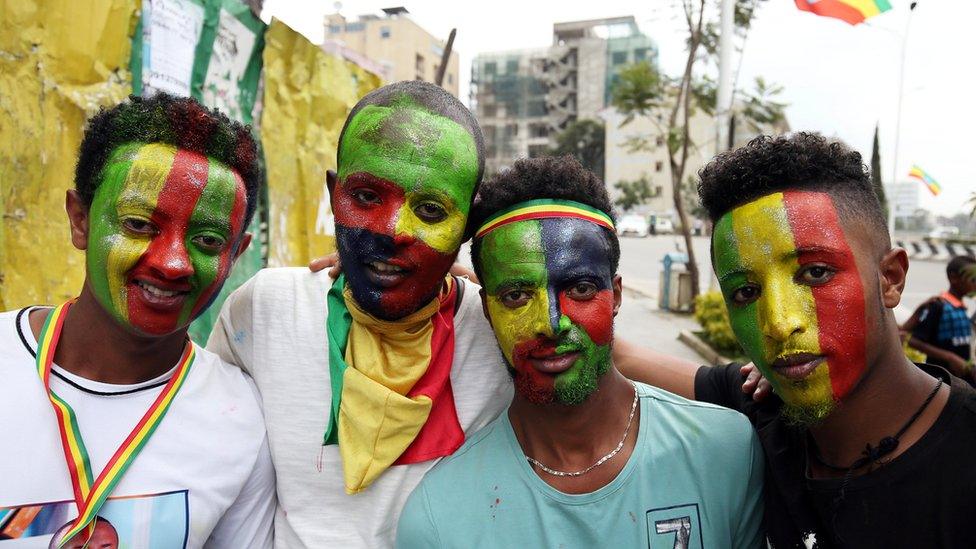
<point>640,291</point>
<point>702,348</point>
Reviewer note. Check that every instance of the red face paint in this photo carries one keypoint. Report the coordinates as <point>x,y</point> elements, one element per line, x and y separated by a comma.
<point>842,326</point>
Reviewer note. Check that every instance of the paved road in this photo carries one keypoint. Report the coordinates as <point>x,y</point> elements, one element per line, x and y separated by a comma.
<point>640,265</point>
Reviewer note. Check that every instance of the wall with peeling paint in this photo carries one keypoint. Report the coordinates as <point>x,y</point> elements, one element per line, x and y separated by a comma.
<point>60,60</point>
<point>307,95</point>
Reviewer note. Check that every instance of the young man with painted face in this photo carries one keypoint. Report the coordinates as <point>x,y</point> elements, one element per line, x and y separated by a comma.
<point>583,457</point>
<point>863,448</point>
<point>368,381</point>
<point>111,415</point>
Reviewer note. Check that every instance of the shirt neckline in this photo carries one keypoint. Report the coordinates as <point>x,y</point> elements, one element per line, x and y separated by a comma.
<point>536,483</point>
<point>81,383</point>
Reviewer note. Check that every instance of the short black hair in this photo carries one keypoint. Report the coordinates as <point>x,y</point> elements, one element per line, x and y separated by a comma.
<point>431,97</point>
<point>958,263</point>
<point>178,121</point>
<point>798,161</point>
<point>561,177</point>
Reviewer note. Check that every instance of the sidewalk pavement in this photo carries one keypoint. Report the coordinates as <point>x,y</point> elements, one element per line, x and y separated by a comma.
<point>640,321</point>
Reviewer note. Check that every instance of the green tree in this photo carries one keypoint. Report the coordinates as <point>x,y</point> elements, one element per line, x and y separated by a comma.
<point>642,90</point>
<point>876,173</point>
<point>633,193</point>
<point>584,140</point>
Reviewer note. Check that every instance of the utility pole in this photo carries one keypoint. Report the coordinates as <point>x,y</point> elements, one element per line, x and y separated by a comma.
<point>723,107</point>
<point>901,88</point>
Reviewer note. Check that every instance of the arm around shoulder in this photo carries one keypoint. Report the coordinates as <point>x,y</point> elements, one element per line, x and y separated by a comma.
<point>416,529</point>
<point>667,372</point>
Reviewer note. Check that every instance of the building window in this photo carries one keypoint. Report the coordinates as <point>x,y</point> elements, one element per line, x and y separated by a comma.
<point>420,64</point>
<point>490,110</point>
<point>384,32</point>
<point>535,151</point>
<point>658,166</point>
<point>640,54</point>
<point>491,68</point>
<point>450,78</point>
<point>658,190</point>
<point>511,66</point>
<point>355,27</point>
<point>511,130</point>
<point>618,58</point>
<point>659,141</point>
<point>335,29</point>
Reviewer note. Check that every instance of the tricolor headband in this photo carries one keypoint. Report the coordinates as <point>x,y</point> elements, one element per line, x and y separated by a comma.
<point>544,208</point>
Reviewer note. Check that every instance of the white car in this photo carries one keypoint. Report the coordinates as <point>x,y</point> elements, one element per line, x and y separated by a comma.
<point>942,232</point>
<point>632,224</point>
<point>663,225</point>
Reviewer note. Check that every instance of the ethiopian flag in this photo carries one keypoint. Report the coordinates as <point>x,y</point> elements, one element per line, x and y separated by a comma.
<point>924,177</point>
<point>850,11</point>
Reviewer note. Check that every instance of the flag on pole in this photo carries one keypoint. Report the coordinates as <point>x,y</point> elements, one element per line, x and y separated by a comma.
<point>921,175</point>
<point>850,11</point>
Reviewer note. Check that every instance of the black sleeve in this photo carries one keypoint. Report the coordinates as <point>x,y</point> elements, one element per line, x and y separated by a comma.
<point>928,322</point>
<point>721,385</point>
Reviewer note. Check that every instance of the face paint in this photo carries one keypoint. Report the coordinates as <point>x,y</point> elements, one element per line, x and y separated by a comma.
<point>164,227</point>
<point>795,297</point>
<point>405,183</point>
<point>550,301</point>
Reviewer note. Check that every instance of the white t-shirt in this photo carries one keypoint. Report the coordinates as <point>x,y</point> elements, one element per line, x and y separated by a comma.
<point>204,478</point>
<point>274,327</point>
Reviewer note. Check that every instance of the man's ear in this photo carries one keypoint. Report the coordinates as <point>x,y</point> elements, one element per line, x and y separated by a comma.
<point>78,218</point>
<point>618,293</point>
<point>484,303</point>
<point>892,272</point>
<point>331,178</point>
<point>245,242</point>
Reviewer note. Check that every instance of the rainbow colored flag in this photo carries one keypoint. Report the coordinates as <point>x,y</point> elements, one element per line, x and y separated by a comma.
<point>849,11</point>
<point>924,177</point>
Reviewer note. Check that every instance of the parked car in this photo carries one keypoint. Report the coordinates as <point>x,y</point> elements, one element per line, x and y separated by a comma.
<point>632,224</point>
<point>663,225</point>
<point>942,232</point>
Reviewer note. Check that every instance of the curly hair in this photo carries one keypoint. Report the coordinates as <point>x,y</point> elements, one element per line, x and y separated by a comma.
<point>799,161</point>
<point>178,121</point>
<point>431,97</point>
<point>544,177</point>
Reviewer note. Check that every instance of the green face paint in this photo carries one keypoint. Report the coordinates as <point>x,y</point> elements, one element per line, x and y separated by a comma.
<point>164,227</point>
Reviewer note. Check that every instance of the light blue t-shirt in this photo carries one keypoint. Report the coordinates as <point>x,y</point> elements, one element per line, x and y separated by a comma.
<point>694,480</point>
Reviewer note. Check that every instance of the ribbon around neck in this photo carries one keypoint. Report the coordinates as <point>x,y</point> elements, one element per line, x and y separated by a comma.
<point>90,493</point>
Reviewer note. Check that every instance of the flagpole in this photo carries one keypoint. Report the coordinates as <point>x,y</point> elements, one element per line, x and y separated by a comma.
<point>901,88</point>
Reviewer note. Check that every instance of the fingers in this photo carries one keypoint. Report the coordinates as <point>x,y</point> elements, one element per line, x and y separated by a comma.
<point>322,263</point>
<point>755,384</point>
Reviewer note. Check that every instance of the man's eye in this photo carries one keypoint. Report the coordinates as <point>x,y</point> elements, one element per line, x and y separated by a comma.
<point>582,291</point>
<point>430,212</point>
<point>515,298</point>
<point>745,295</point>
<point>138,226</point>
<point>815,275</point>
<point>209,242</point>
<point>366,197</point>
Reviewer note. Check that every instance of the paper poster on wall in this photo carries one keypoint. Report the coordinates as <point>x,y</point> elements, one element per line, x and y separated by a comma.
<point>170,33</point>
<point>232,48</point>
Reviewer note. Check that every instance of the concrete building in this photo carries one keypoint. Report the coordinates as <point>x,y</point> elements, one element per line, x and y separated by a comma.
<point>524,98</point>
<point>395,41</point>
<point>903,198</point>
<point>621,164</point>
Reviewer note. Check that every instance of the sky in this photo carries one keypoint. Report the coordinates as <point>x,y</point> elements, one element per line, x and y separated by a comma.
<point>837,79</point>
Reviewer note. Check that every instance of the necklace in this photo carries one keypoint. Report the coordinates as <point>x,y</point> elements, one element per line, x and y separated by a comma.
<point>599,462</point>
<point>885,446</point>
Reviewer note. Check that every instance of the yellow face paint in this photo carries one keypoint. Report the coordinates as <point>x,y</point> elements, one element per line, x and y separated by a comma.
<point>444,236</point>
<point>754,248</point>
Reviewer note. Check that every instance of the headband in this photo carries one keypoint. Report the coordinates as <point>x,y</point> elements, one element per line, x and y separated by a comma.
<point>544,208</point>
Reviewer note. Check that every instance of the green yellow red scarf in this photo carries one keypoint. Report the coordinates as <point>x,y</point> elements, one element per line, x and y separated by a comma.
<point>392,402</point>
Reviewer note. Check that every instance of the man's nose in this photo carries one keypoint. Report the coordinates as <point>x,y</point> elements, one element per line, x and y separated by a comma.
<point>785,310</point>
<point>167,256</point>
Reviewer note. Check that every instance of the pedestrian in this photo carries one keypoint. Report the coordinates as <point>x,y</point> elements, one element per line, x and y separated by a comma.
<point>941,328</point>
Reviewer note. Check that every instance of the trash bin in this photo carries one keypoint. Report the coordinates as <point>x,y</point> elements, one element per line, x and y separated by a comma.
<point>675,289</point>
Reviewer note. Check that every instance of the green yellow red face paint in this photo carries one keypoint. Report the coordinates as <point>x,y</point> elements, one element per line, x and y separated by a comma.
<point>795,297</point>
<point>405,183</point>
<point>164,228</point>
<point>549,296</point>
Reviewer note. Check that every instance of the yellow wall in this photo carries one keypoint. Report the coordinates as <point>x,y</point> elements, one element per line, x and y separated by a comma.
<point>307,95</point>
<point>60,60</point>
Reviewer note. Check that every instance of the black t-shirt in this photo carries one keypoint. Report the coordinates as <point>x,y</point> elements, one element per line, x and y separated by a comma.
<point>924,498</point>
